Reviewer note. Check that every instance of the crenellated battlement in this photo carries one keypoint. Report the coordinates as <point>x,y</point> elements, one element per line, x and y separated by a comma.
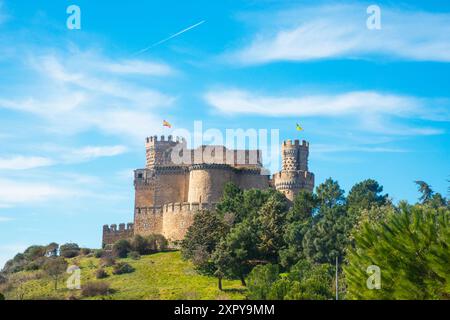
<point>295,143</point>
<point>111,233</point>
<point>178,207</point>
<point>155,139</point>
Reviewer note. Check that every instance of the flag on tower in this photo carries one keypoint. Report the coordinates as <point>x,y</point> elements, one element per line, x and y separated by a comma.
<point>166,124</point>
<point>299,128</point>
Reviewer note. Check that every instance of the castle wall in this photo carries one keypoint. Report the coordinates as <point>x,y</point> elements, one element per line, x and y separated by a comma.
<point>170,185</point>
<point>111,234</point>
<point>148,220</point>
<point>251,179</point>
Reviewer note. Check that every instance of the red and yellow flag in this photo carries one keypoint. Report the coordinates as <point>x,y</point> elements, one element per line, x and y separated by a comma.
<point>166,124</point>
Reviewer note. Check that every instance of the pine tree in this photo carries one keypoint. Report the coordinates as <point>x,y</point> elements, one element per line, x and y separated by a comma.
<point>412,251</point>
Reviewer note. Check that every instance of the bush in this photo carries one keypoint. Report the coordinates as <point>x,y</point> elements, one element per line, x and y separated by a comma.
<point>36,264</point>
<point>3,278</point>
<point>140,245</point>
<point>97,288</point>
<point>85,251</point>
<point>69,250</point>
<point>34,252</point>
<point>134,255</point>
<point>107,262</point>
<point>2,297</point>
<point>122,268</point>
<point>101,273</point>
<point>98,253</point>
<point>121,248</point>
<point>157,242</point>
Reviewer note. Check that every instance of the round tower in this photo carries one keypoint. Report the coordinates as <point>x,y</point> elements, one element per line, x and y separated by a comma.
<point>294,175</point>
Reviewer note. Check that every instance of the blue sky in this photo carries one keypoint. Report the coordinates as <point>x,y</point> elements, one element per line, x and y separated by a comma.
<point>75,105</point>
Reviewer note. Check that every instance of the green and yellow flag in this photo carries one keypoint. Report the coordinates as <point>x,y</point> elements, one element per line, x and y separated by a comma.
<point>299,128</point>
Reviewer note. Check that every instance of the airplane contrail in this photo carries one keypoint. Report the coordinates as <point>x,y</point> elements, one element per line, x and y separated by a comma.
<point>171,37</point>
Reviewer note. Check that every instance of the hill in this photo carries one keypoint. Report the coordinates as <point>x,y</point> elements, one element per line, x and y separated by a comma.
<point>158,276</point>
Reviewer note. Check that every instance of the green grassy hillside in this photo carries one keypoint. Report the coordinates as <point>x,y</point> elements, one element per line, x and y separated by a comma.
<point>158,276</point>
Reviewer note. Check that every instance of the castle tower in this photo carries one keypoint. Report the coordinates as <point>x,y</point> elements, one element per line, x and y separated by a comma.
<point>162,181</point>
<point>159,152</point>
<point>294,175</point>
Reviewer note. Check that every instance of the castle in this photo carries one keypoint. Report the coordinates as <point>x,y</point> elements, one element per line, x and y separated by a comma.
<point>177,182</point>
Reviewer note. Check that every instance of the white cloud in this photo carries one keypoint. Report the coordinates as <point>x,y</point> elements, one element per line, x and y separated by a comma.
<point>90,153</point>
<point>370,110</point>
<point>24,163</point>
<point>5,219</point>
<point>236,101</point>
<point>79,91</point>
<point>327,148</point>
<point>340,31</point>
<point>16,192</point>
<point>138,67</point>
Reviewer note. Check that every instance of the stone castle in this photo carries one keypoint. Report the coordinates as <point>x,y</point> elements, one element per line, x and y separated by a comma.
<point>177,182</point>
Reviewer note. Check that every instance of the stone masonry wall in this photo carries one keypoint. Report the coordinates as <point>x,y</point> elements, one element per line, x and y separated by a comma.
<point>111,234</point>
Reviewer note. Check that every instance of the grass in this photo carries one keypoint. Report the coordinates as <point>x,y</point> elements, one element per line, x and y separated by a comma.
<point>161,276</point>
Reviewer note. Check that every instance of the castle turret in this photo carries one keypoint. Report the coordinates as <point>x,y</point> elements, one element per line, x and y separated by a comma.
<point>159,151</point>
<point>294,175</point>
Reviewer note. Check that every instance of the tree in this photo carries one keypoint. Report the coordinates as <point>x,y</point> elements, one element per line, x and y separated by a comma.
<point>271,221</point>
<point>261,280</point>
<point>328,235</point>
<point>411,250</point>
<point>121,248</point>
<point>34,252</point>
<point>69,250</point>
<point>305,281</point>
<point>237,253</point>
<point>298,222</point>
<point>52,249</point>
<point>54,267</point>
<point>364,195</point>
<point>140,244</point>
<point>425,190</point>
<point>330,194</point>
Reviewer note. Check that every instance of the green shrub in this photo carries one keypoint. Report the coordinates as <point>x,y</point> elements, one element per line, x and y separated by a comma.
<point>101,273</point>
<point>95,288</point>
<point>134,255</point>
<point>121,248</point>
<point>157,242</point>
<point>2,297</point>
<point>107,262</point>
<point>3,278</point>
<point>98,253</point>
<point>122,268</point>
<point>85,251</point>
<point>69,250</point>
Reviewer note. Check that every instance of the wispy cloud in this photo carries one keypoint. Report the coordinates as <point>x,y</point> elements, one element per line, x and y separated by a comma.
<point>18,192</point>
<point>5,219</point>
<point>80,91</point>
<point>235,101</point>
<point>333,148</point>
<point>340,31</point>
<point>24,163</point>
<point>370,110</point>
<point>90,153</point>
